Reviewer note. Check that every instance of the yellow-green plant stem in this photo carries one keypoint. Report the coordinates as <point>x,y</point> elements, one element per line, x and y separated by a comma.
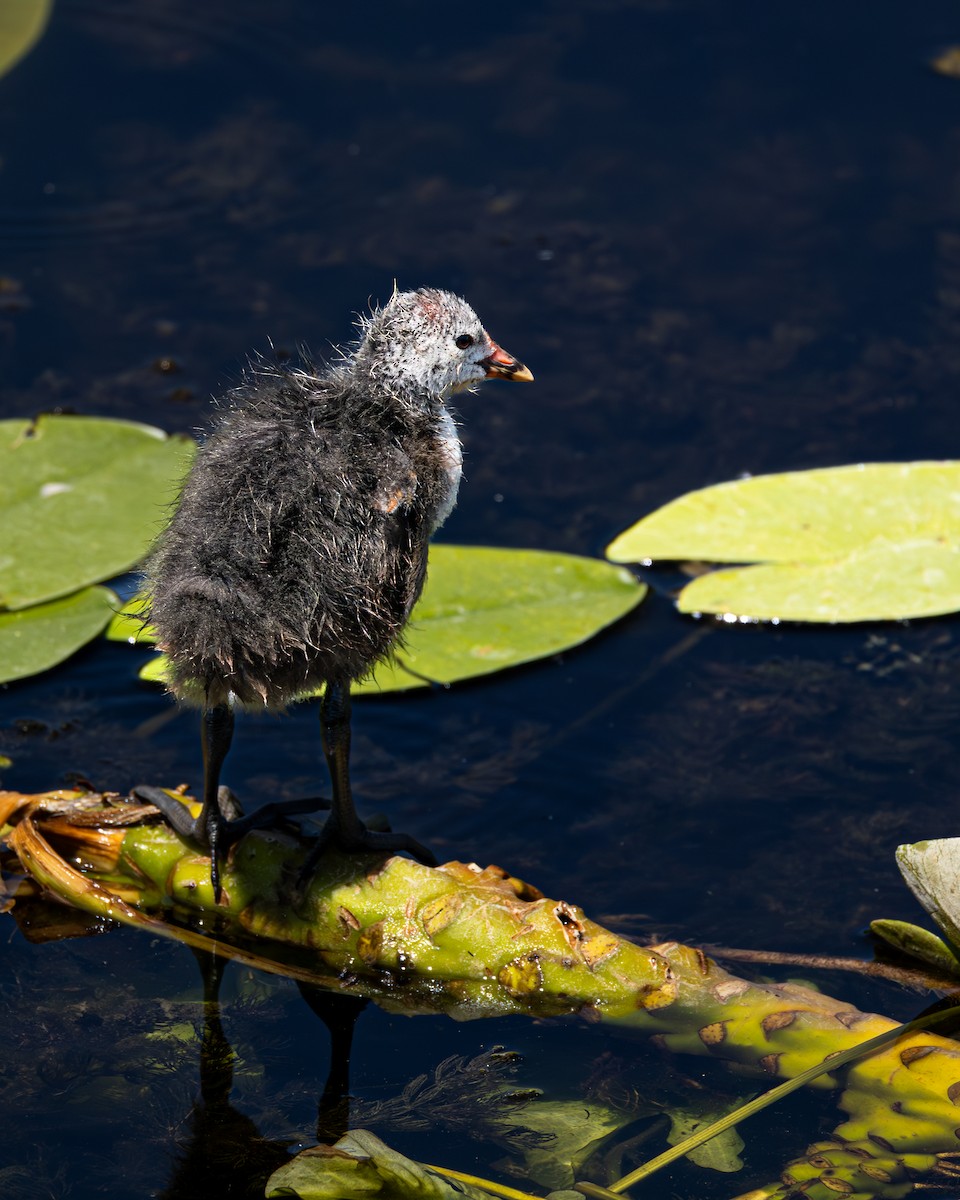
<point>477,1181</point>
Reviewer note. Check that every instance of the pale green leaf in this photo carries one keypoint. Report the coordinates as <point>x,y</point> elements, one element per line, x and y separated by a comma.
<point>127,625</point>
<point>81,500</point>
<point>37,638</point>
<point>932,872</point>
<point>856,543</point>
<point>879,582</point>
<point>918,943</point>
<point>154,670</point>
<point>361,1167</point>
<point>483,610</point>
<point>22,23</point>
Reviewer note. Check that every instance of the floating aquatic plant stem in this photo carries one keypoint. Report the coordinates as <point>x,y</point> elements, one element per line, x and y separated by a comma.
<point>488,1185</point>
<point>475,942</point>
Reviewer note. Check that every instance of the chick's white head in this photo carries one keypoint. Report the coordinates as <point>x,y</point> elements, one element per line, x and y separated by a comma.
<point>429,344</point>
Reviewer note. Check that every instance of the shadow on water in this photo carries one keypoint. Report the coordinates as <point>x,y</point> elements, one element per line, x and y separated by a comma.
<point>725,241</point>
<point>224,1153</point>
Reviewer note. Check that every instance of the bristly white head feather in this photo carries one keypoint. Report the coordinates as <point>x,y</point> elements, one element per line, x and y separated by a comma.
<point>426,345</point>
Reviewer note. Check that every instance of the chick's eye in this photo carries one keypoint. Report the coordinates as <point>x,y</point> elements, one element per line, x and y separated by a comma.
<point>464,341</point>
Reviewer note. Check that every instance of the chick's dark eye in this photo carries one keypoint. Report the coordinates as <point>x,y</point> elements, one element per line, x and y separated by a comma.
<point>464,341</point>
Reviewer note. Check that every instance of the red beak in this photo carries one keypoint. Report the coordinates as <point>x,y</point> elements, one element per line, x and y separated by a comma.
<point>501,365</point>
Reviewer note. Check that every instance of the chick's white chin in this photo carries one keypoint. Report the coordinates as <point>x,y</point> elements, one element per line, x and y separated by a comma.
<point>452,454</point>
<point>466,385</point>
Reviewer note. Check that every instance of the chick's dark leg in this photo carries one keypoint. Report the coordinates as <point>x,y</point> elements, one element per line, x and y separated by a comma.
<point>210,829</point>
<point>218,824</point>
<point>343,826</point>
<point>335,710</point>
<point>217,733</point>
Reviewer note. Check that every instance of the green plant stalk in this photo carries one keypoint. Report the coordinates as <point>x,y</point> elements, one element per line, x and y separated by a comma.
<point>488,1185</point>
<point>475,943</point>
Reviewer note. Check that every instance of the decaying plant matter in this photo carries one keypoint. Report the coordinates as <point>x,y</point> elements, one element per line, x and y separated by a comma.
<point>475,942</point>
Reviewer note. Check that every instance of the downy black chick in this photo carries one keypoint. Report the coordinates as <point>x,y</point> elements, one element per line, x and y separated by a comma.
<point>299,545</point>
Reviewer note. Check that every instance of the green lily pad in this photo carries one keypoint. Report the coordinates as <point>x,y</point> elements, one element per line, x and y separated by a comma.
<point>858,543</point>
<point>81,500</point>
<point>486,609</point>
<point>22,24</point>
<point>483,610</point>
<point>37,638</point>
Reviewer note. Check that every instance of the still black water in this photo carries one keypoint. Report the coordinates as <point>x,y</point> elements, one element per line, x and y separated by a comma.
<point>726,239</point>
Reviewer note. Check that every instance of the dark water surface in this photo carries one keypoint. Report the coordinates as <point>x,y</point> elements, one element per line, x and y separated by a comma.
<point>726,238</point>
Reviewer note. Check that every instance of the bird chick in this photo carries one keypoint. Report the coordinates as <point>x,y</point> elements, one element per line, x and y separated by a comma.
<point>299,545</point>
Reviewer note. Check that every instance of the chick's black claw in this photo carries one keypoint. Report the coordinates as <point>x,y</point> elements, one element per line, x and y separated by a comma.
<point>175,811</point>
<point>361,840</point>
<point>214,831</point>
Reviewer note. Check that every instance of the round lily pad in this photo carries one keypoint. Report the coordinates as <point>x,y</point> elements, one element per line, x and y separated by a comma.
<point>37,638</point>
<point>81,500</point>
<point>857,543</point>
<point>486,609</point>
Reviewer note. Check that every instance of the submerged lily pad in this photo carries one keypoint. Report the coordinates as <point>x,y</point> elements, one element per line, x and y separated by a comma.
<point>573,1130</point>
<point>483,610</point>
<point>81,500</point>
<point>43,635</point>
<point>722,1152</point>
<point>856,543</point>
